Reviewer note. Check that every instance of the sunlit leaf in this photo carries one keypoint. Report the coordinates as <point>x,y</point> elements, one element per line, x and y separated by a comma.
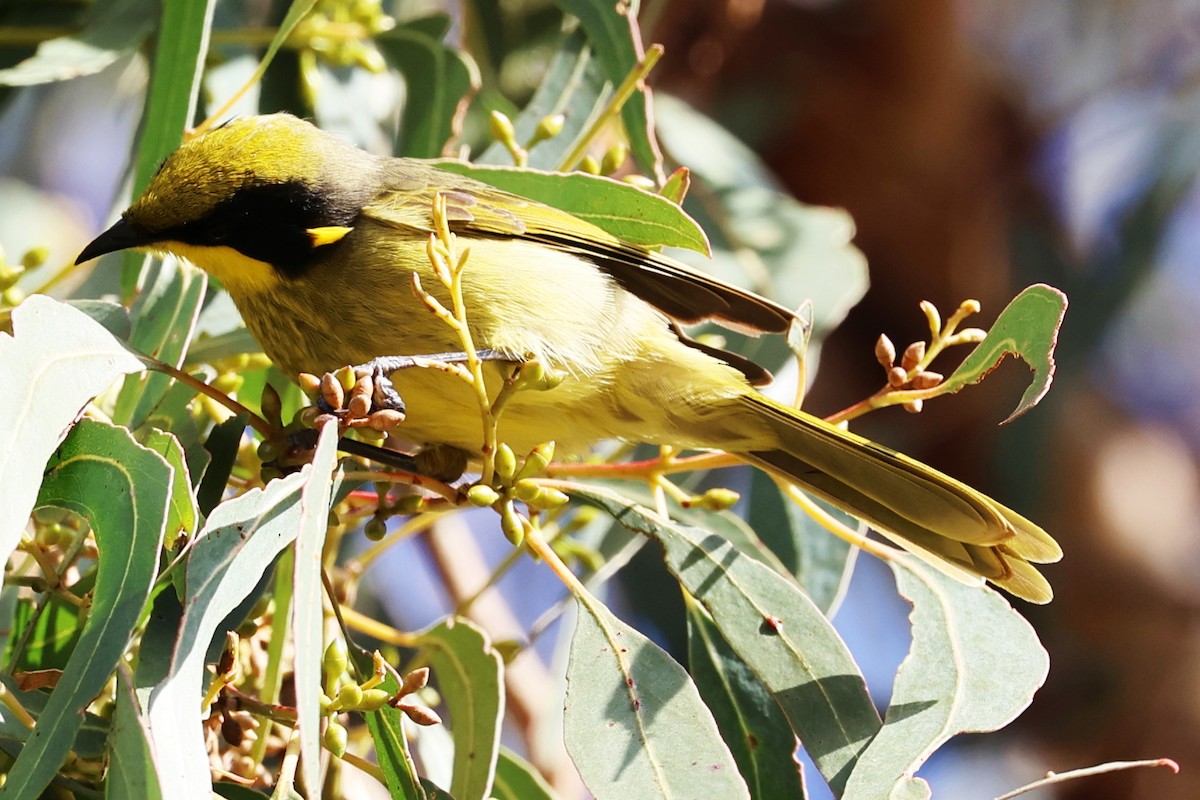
<point>625,211</point>
<point>974,665</point>
<point>56,361</point>
<point>308,615</point>
<point>750,720</point>
<point>122,489</point>
<point>1026,328</point>
<point>634,723</point>
<point>772,626</point>
<point>238,543</point>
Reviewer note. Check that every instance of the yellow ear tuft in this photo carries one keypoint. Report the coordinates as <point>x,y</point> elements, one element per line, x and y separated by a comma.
<point>328,235</point>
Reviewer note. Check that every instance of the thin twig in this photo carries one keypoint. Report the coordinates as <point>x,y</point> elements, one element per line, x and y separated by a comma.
<point>1087,772</point>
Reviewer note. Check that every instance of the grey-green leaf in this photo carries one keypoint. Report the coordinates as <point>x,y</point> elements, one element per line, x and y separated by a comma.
<point>57,360</point>
<point>236,546</point>
<point>122,489</point>
<point>112,28</point>
<point>775,628</point>
<point>974,665</point>
<point>634,723</point>
<point>308,614</point>
<point>131,770</point>
<point>470,676</point>
<point>750,720</point>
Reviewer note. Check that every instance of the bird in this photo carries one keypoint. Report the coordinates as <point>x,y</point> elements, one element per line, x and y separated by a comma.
<point>317,243</point>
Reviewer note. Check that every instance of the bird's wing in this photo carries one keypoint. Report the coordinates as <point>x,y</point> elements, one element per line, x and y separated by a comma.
<point>477,209</point>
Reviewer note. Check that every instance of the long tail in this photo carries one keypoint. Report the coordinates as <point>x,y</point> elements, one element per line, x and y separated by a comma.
<point>916,506</point>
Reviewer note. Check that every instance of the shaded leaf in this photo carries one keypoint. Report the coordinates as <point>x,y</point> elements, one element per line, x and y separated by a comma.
<point>517,779</point>
<point>974,665</point>
<point>391,749</point>
<point>634,723</point>
<point>623,210</point>
<point>820,561</point>
<point>57,360</point>
<point>131,770</point>
<point>441,80</point>
<point>750,720</point>
<point>772,626</point>
<point>122,489</point>
<point>90,741</point>
<point>184,515</point>
<point>612,30</point>
<point>470,677</point>
<point>1026,328</point>
<point>164,316</point>
<point>111,29</point>
<point>762,236</point>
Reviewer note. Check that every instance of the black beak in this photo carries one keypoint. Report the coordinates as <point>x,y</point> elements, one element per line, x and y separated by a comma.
<point>121,236</point>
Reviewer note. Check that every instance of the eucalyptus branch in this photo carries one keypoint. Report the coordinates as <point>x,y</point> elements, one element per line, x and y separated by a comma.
<point>910,383</point>
<point>1100,769</point>
<point>613,108</point>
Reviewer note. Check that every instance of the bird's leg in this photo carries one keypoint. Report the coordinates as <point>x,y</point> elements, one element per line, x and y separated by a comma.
<point>379,368</point>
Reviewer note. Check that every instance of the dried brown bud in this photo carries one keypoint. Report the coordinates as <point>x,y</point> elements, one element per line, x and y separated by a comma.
<point>359,406</point>
<point>912,355</point>
<point>332,391</point>
<point>927,380</point>
<point>897,377</point>
<point>885,351</point>
<point>231,730</point>
<point>420,714</point>
<point>414,681</point>
<point>913,406</point>
<point>385,419</point>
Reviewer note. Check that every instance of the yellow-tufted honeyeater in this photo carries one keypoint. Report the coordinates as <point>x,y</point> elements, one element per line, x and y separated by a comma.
<point>316,241</point>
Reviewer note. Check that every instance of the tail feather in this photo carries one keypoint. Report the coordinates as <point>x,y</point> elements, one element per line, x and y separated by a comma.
<point>913,504</point>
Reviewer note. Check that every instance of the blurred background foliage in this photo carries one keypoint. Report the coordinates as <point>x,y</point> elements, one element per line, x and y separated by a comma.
<point>979,145</point>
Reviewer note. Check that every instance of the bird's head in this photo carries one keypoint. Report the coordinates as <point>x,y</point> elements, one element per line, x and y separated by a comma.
<point>267,190</point>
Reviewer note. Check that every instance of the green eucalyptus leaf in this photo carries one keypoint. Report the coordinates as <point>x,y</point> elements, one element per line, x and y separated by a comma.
<point>1026,328</point>
<point>440,81</point>
<point>612,30</point>
<point>775,628</point>
<point>750,720</point>
<point>517,779</point>
<point>623,210</point>
<point>238,543</point>
<point>131,768</point>
<point>111,29</point>
<point>973,666</point>
<point>470,677</point>
<point>634,723</point>
<point>122,489</point>
<point>56,361</point>
<point>308,614</point>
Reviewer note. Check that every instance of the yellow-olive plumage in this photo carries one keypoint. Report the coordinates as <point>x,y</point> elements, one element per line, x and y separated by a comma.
<point>243,202</point>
